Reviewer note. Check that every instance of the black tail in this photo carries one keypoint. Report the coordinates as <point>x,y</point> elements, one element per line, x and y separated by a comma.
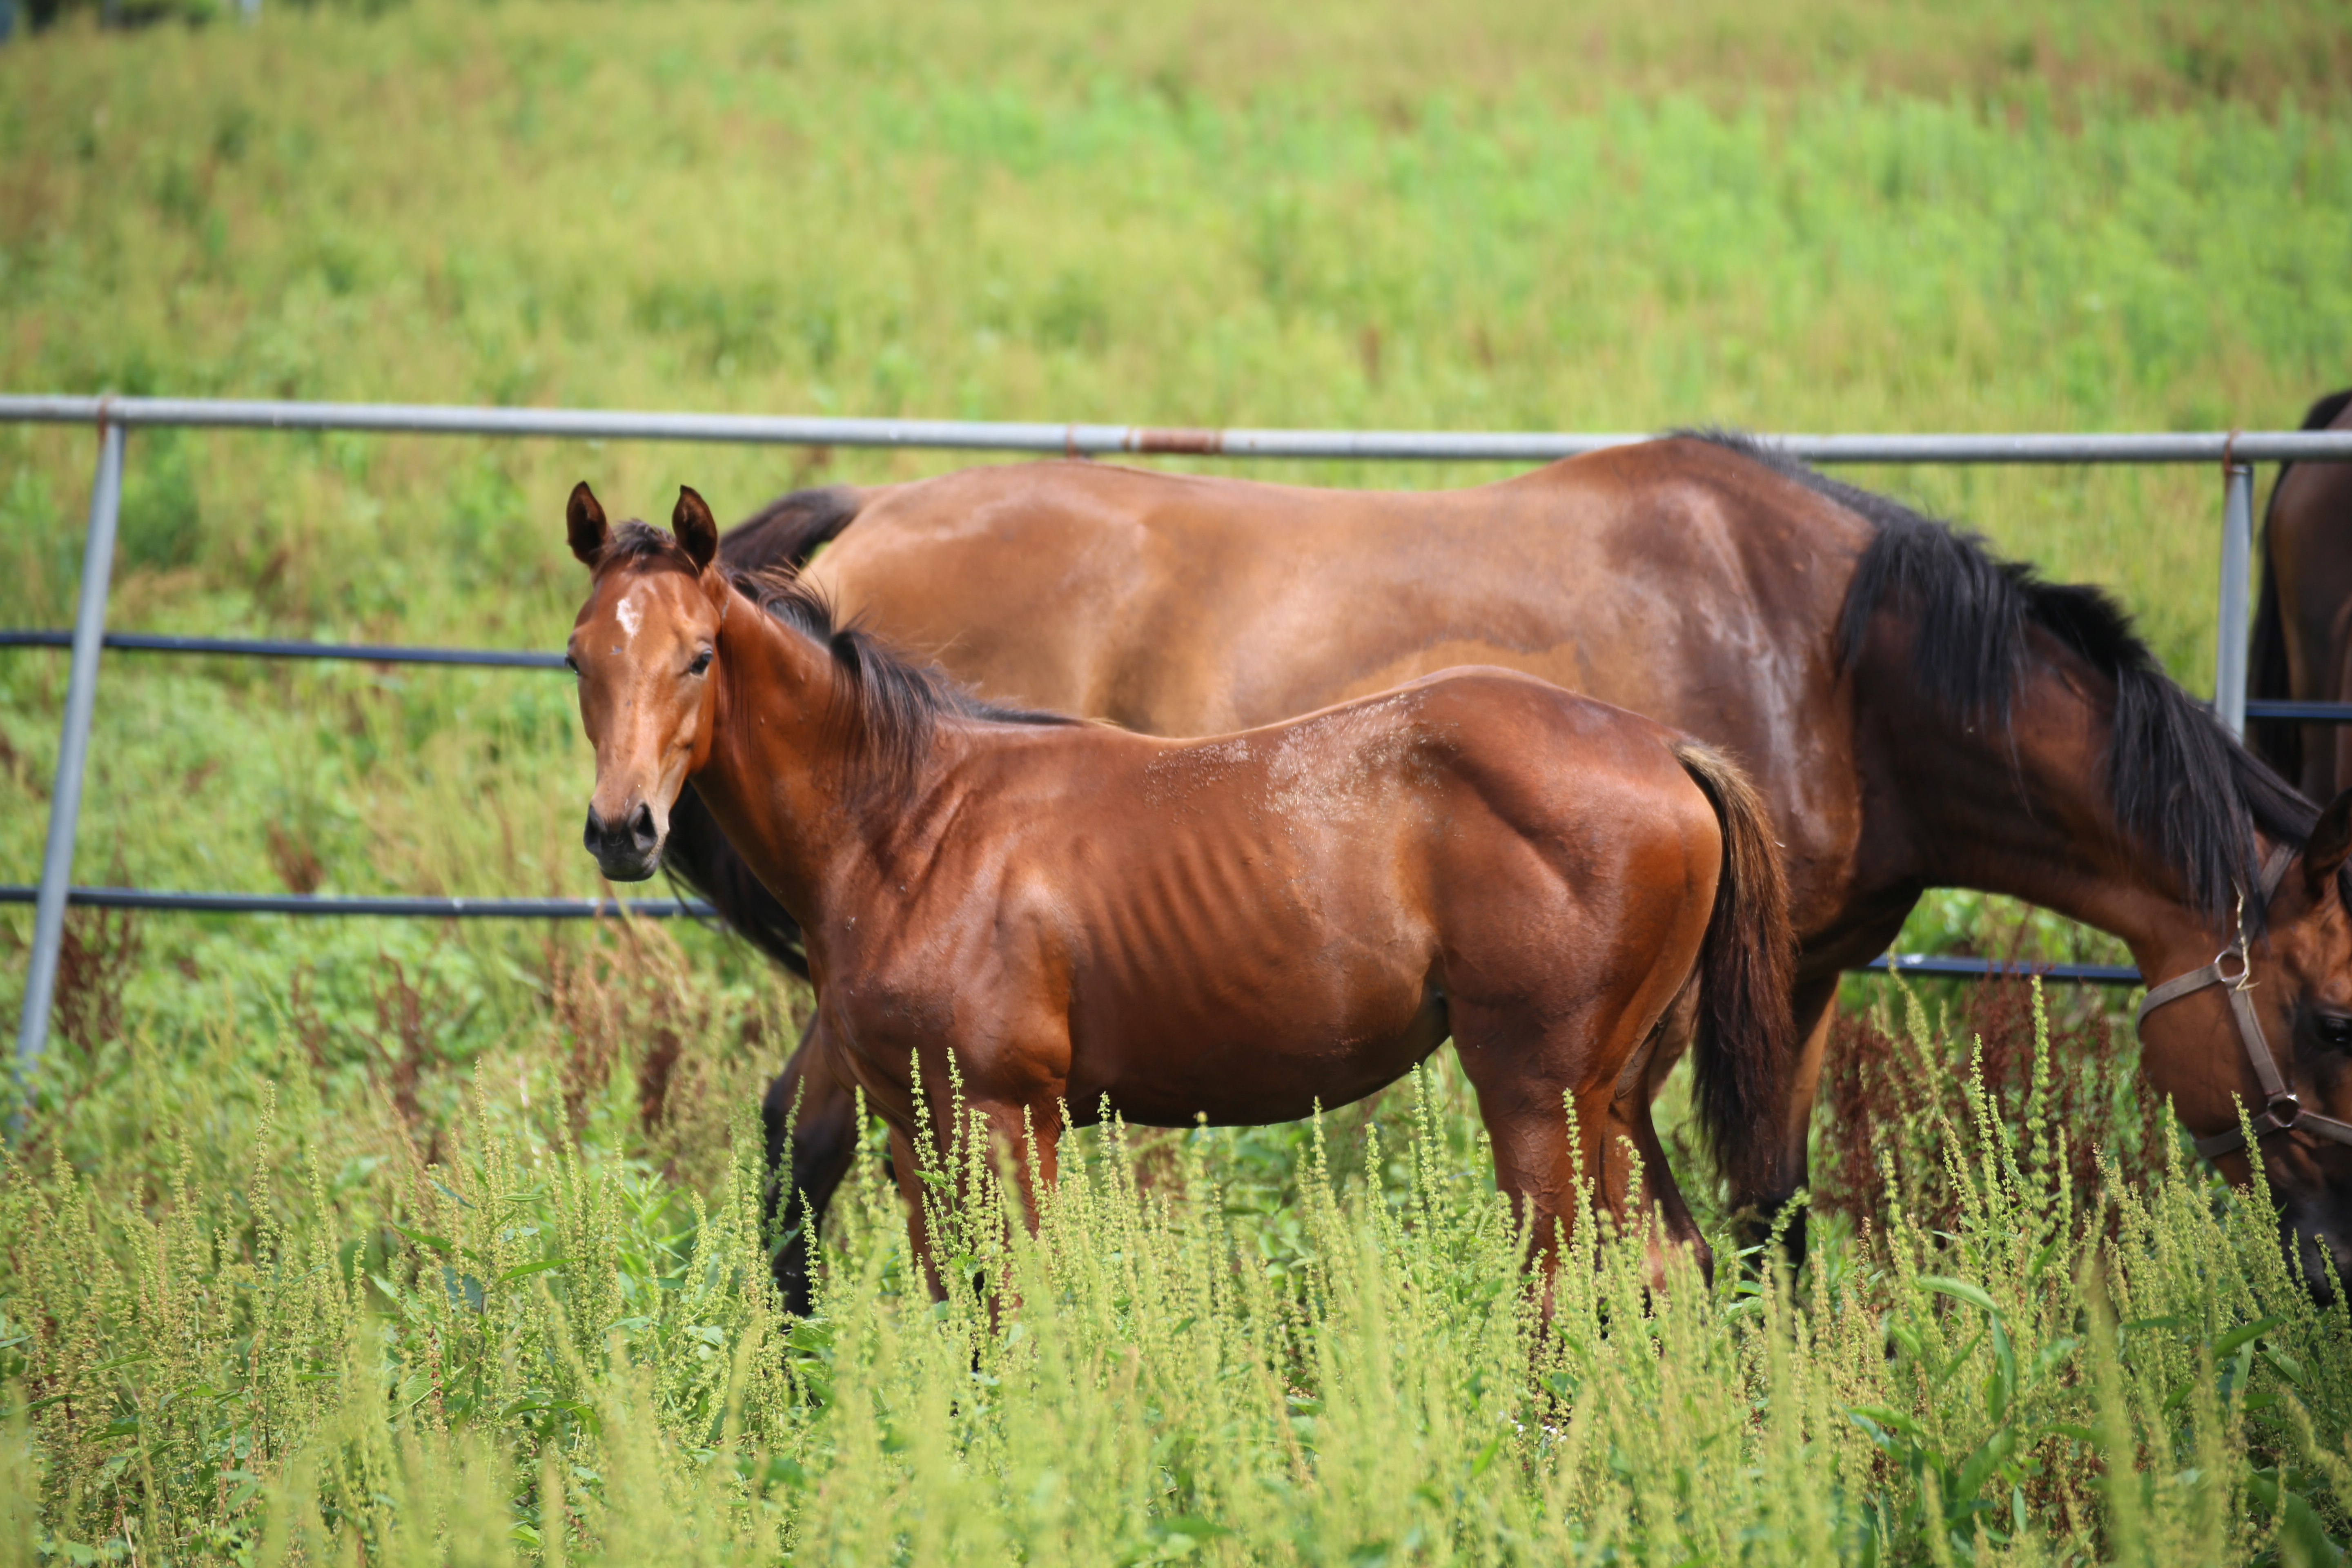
<point>1747,1033</point>
<point>783,533</point>
<point>788,530</point>
<point>2275,741</point>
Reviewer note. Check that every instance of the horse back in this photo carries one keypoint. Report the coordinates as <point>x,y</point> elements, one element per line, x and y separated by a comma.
<point>1473,789</point>
<point>1181,604</point>
<point>1677,578</point>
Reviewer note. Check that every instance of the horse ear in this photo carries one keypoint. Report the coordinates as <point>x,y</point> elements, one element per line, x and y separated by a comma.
<point>2330,844</point>
<point>695,528</point>
<point>583,519</point>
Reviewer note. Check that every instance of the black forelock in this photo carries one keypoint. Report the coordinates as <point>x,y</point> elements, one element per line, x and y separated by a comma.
<point>2180,785</point>
<point>637,541</point>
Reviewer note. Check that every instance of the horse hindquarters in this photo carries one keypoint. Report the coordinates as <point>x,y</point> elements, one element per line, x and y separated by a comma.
<point>1566,1038</point>
<point>1699,933</point>
<point>1565,1098</point>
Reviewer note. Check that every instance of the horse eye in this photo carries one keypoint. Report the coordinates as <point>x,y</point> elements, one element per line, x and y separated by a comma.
<point>571,664</point>
<point>2334,1029</point>
<point>701,662</point>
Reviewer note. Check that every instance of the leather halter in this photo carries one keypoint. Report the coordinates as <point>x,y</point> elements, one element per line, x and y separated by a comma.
<point>2281,1111</point>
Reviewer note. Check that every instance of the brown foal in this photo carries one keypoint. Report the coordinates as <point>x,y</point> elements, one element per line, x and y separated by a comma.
<point>1234,928</point>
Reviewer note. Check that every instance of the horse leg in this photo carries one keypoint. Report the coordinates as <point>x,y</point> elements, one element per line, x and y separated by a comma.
<point>1030,1144</point>
<point>1031,1137</point>
<point>1756,1213</point>
<point>908,1170</point>
<point>1539,1167</point>
<point>811,1111</point>
<point>1026,1142</point>
<point>1629,1122</point>
<point>1523,1099</point>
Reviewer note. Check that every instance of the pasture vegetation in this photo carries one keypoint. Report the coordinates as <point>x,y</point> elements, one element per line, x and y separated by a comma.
<point>286,1332</point>
<point>323,1239</point>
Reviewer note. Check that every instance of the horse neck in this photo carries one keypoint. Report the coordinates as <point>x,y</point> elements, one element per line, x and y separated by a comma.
<point>2060,844</point>
<point>781,777</point>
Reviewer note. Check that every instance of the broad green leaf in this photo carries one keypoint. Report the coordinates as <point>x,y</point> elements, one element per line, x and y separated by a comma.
<point>1958,1290</point>
<point>1892,1419</point>
<point>440,1244</point>
<point>2243,1332</point>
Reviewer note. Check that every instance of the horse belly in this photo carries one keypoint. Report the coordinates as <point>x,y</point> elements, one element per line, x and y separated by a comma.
<point>1250,1065</point>
<point>1246,990</point>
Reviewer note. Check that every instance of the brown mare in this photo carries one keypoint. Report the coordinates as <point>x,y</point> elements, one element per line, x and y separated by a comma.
<point>1915,713</point>
<point>2303,624</point>
<point>1232,929</point>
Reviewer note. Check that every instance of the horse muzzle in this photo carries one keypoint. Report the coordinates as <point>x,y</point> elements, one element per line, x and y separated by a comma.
<point>628,850</point>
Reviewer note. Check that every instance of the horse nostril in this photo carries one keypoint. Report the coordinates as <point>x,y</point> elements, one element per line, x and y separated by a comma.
<point>593,835</point>
<point>641,825</point>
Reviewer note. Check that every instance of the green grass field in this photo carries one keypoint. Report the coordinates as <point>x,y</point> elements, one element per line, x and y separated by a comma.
<point>1795,216</point>
<point>285,1328</point>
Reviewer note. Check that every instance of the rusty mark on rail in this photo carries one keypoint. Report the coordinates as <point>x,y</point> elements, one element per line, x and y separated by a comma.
<point>1203,441</point>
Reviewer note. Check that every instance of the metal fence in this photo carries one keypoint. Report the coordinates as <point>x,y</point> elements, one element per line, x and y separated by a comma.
<point>110,417</point>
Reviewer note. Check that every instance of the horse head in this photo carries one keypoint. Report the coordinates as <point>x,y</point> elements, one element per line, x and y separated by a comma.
<point>643,648</point>
<point>2268,1025</point>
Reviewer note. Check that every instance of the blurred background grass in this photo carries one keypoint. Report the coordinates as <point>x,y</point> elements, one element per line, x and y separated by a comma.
<point>1785,216</point>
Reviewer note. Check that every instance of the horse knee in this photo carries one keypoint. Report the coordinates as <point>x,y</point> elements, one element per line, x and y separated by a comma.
<point>817,1129</point>
<point>823,1148</point>
<point>811,1139</point>
<point>1755,1223</point>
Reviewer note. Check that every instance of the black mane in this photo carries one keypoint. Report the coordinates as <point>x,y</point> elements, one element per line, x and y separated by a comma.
<point>2189,794</point>
<point>895,702</point>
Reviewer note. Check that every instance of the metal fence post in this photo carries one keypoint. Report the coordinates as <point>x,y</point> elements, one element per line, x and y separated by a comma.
<point>2237,577</point>
<point>73,749</point>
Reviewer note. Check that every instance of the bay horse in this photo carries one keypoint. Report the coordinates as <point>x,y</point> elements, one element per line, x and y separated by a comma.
<point>1233,929</point>
<point>2303,618</point>
<point>1914,712</point>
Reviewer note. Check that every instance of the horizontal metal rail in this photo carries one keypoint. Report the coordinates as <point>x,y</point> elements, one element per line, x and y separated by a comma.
<point>329,905</point>
<point>261,648</point>
<point>397,908</point>
<point>2307,712</point>
<point>111,417</point>
<point>1109,440</point>
<point>524,658</point>
<point>1936,967</point>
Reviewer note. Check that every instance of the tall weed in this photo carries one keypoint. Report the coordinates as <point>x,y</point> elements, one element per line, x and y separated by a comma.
<point>535,1350</point>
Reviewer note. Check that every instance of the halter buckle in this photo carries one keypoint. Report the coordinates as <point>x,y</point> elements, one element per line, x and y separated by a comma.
<point>2244,979</point>
<point>2285,1110</point>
